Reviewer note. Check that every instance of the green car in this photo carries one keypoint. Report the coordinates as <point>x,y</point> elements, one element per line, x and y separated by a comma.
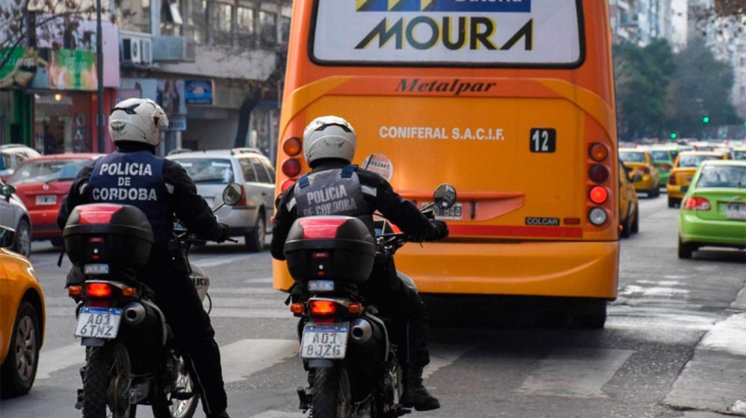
<point>663,159</point>
<point>713,211</point>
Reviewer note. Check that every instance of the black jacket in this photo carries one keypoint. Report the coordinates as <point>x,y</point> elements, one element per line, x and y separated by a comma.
<point>189,207</point>
<point>385,200</point>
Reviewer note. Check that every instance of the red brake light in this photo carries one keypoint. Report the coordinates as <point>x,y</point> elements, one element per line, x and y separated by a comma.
<point>672,180</point>
<point>244,199</point>
<point>98,290</point>
<point>644,170</point>
<point>291,167</point>
<point>323,307</point>
<point>599,195</point>
<point>697,203</point>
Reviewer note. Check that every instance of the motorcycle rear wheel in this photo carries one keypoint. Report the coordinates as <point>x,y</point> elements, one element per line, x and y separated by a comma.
<point>331,396</point>
<point>166,407</point>
<point>106,383</point>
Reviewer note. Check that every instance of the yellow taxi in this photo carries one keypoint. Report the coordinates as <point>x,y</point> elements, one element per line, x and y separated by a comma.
<point>21,320</point>
<point>629,214</point>
<point>641,162</point>
<point>683,170</point>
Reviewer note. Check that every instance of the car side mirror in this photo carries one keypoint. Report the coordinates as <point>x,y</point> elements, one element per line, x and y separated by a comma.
<point>232,194</point>
<point>444,196</point>
<point>7,237</point>
<point>7,191</point>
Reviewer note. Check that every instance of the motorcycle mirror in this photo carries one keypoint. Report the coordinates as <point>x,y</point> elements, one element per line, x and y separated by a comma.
<point>232,194</point>
<point>444,196</point>
<point>7,191</point>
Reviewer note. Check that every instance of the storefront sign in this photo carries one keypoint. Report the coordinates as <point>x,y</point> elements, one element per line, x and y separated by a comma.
<point>20,67</point>
<point>198,91</point>
<point>72,70</point>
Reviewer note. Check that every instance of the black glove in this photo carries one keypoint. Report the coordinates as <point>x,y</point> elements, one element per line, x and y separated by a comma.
<point>441,229</point>
<point>225,233</point>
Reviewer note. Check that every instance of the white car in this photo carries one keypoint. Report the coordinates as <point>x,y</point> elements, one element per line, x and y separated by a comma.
<point>211,171</point>
<point>13,214</point>
<point>12,155</point>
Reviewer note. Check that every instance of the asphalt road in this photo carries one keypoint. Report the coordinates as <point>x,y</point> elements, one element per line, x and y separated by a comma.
<point>674,344</point>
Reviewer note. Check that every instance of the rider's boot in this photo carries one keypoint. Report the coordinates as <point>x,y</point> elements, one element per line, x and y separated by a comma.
<point>415,393</point>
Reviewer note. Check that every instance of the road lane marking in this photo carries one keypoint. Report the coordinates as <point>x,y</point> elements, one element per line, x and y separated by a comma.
<point>575,372</point>
<point>59,358</point>
<point>443,355</point>
<point>243,358</point>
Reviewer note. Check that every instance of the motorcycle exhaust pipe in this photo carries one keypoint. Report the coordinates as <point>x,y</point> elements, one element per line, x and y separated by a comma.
<point>134,313</point>
<point>360,331</point>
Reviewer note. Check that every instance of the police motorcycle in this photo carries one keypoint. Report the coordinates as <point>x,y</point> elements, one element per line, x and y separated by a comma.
<point>348,348</point>
<point>131,357</point>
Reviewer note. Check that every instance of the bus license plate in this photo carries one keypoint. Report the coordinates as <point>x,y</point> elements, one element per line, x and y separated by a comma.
<point>46,200</point>
<point>98,322</point>
<point>324,341</point>
<point>735,211</point>
<point>454,212</point>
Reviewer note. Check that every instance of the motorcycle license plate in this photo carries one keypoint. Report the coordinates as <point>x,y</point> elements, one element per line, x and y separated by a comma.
<point>98,322</point>
<point>324,341</point>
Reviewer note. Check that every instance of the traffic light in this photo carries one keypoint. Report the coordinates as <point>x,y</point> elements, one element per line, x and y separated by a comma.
<point>705,119</point>
<point>673,135</point>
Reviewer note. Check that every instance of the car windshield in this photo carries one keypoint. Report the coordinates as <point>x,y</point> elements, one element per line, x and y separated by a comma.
<point>722,176</point>
<point>47,171</point>
<point>208,170</point>
<point>660,155</point>
<point>695,160</point>
<point>632,157</point>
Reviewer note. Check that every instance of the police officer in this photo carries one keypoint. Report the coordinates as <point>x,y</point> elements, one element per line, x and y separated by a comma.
<point>161,188</point>
<point>334,187</point>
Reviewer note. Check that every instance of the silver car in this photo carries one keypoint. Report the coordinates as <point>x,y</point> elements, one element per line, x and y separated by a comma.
<point>13,214</point>
<point>211,171</point>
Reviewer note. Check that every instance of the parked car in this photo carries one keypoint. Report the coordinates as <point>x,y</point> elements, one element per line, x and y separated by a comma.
<point>629,213</point>
<point>42,183</point>
<point>683,172</point>
<point>211,171</point>
<point>641,162</point>
<point>11,156</point>
<point>13,214</point>
<point>22,320</point>
<point>713,212</point>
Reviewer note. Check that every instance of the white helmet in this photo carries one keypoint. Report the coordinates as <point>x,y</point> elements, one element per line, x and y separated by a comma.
<point>329,137</point>
<point>137,120</point>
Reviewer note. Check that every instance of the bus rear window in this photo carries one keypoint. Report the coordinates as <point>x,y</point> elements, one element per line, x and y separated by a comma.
<point>448,32</point>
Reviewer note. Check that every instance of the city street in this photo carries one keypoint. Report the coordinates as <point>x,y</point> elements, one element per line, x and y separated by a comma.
<point>674,344</point>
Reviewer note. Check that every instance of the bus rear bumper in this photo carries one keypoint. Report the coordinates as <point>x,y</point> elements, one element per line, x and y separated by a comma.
<point>565,269</point>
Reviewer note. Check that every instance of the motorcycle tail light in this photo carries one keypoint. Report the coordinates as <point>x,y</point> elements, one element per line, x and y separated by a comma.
<point>354,308</point>
<point>296,308</point>
<point>323,307</point>
<point>98,290</point>
<point>129,292</point>
<point>74,291</point>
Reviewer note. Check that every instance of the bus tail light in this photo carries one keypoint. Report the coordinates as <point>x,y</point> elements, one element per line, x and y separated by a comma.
<point>597,216</point>
<point>292,146</point>
<point>599,195</point>
<point>598,152</point>
<point>697,203</point>
<point>288,183</point>
<point>291,167</point>
<point>598,173</point>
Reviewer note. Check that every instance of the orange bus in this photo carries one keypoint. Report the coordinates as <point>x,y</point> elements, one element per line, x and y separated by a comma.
<point>512,102</point>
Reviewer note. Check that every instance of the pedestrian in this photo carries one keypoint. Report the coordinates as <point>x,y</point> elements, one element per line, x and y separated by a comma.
<point>329,144</point>
<point>165,190</point>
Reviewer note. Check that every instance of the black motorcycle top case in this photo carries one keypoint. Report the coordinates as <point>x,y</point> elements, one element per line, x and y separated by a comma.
<point>118,235</point>
<point>338,248</point>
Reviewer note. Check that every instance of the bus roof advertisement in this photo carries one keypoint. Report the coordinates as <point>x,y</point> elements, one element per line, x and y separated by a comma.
<point>486,32</point>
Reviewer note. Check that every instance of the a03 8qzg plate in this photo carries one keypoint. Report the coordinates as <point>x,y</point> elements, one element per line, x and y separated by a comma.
<point>327,341</point>
<point>98,322</point>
